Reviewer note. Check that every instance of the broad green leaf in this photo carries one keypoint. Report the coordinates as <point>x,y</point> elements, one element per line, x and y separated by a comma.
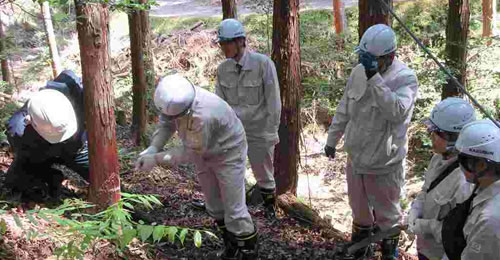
<point>128,205</point>
<point>145,231</point>
<point>3,226</point>
<point>128,235</point>
<point>182,235</point>
<point>18,221</point>
<point>158,233</point>
<point>171,231</point>
<point>197,239</point>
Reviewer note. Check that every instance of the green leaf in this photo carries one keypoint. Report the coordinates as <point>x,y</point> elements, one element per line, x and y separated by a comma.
<point>211,234</point>
<point>158,233</point>
<point>32,219</point>
<point>182,235</point>
<point>197,239</point>
<point>128,235</point>
<point>155,200</point>
<point>171,232</point>
<point>3,226</point>
<point>18,221</point>
<point>145,231</point>
<point>146,203</point>
<point>128,205</point>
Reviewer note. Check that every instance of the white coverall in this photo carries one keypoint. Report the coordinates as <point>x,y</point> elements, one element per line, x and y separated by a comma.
<point>433,206</point>
<point>251,88</point>
<point>214,140</point>
<point>374,116</point>
<point>482,229</point>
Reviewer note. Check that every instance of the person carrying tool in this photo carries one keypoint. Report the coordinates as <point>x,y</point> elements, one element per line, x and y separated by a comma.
<point>445,184</point>
<point>249,83</point>
<point>471,231</point>
<point>214,140</point>
<point>373,115</point>
<point>49,129</point>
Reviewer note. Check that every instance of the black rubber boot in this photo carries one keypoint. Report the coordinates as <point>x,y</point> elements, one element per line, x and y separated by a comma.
<point>269,197</point>
<point>247,247</point>
<point>359,233</point>
<point>390,249</point>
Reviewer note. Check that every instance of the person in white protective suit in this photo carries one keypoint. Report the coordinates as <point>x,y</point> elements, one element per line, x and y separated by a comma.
<point>445,184</point>
<point>249,83</point>
<point>471,231</point>
<point>373,115</point>
<point>214,140</point>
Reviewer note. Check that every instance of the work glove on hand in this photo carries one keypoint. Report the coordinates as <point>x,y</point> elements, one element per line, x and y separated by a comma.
<point>370,63</point>
<point>149,150</point>
<point>330,152</point>
<point>415,213</point>
<point>146,162</point>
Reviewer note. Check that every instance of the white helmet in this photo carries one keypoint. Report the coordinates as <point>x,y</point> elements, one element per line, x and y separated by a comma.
<point>52,115</point>
<point>174,95</point>
<point>378,40</point>
<point>480,139</point>
<point>452,114</point>
<point>230,29</point>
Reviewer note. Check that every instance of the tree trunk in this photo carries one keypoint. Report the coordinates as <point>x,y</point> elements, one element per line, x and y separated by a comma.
<point>489,15</point>
<point>371,12</point>
<point>229,9</point>
<point>142,71</point>
<point>93,35</point>
<point>51,38</point>
<point>6,75</point>
<point>286,56</point>
<point>456,45</point>
<point>339,16</point>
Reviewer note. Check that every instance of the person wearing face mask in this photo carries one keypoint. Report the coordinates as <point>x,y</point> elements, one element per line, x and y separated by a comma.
<point>248,82</point>
<point>214,140</point>
<point>373,115</point>
<point>445,184</point>
<point>471,231</point>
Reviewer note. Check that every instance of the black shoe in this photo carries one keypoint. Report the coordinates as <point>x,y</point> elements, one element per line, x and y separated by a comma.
<point>198,204</point>
<point>358,234</point>
<point>269,197</point>
<point>236,247</point>
<point>390,249</point>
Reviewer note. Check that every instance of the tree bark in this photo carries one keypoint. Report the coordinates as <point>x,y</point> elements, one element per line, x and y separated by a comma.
<point>371,12</point>
<point>6,75</point>
<point>142,71</point>
<point>489,15</point>
<point>457,31</point>
<point>93,35</point>
<point>229,9</point>
<point>286,56</point>
<point>51,38</point>
<point>339,16</point>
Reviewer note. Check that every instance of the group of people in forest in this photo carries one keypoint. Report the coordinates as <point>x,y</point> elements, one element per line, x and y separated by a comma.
<point>453,216</point>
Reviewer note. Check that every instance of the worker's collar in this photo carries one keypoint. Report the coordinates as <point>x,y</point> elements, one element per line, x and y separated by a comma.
<point>487,193</point>
<point>243,62</point>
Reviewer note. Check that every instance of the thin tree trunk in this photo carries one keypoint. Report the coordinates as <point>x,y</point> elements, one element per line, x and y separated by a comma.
<point>6,75</point>
<point>51,38</point>
<point>457,31</point>
<point>93,35</point>
<point>286,56</point>
<point>229,9</point>
<point>489,21</point>
<point>142,71</point>
<point>371,12</point>
<point>339,16</point>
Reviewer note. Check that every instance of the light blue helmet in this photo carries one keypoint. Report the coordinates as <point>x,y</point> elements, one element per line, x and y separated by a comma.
<point>230,29</point>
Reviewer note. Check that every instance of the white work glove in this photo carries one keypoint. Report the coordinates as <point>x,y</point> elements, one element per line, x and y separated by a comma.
<point>415,212</point>
<point>149,150</point>
<point>146,162</point>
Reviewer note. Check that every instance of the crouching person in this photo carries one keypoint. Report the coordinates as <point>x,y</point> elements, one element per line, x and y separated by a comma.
<point>444,185</point>
<point>49,129</point>
<point>214,140</point>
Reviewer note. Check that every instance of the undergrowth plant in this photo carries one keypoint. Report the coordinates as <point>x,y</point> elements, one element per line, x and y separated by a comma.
<point>74,230</point>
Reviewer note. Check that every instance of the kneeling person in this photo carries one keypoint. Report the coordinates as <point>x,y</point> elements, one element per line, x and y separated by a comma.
<point>214,140</point>
<point>49,129</point>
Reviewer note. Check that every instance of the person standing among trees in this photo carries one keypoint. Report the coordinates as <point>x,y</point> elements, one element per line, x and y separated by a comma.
<point>373,115</point>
